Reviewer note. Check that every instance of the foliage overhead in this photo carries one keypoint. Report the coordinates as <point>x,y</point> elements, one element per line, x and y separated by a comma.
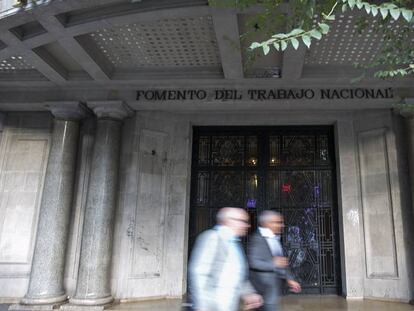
<point>303,21</point>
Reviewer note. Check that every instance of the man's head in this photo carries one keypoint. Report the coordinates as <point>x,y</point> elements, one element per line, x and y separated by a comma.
<point>234,218</point>
<point>272,220</point>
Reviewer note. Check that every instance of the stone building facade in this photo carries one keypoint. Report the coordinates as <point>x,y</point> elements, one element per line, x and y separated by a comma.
<point>96,149</point>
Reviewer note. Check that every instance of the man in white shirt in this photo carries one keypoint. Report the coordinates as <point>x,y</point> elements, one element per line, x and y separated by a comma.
<point>267,262</point>
<point>218,267</point>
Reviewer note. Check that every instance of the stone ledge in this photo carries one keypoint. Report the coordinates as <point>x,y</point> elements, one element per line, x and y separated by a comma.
<point>20,307</point>
<point>72,307</point>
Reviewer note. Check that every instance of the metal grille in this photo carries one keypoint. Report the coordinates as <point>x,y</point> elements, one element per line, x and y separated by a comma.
<point>287,169</point>
<point>15,63</point>
<point>343,45</point>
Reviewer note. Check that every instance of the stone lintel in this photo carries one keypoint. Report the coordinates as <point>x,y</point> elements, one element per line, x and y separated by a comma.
<point>67,110</point>
<point>113,109</point>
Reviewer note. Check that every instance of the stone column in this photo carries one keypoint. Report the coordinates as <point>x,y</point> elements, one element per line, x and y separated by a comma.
<point>46,277</point>
<point>94,276</point>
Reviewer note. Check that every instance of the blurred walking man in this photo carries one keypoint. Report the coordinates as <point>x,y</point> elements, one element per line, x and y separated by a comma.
<point>268,265</point>
<point>218,267</point>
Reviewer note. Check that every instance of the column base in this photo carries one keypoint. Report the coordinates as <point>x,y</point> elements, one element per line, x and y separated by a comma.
<point>29,304</point>
<point>57,300</point>
<point>96,304</point>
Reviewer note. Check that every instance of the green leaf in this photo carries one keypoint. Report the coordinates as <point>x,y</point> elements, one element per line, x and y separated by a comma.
<point>351,3</point>
<point>407,14</point>
<point>367,8</point>
<point>324,28</point>
<point>412,66</point>
<point>276,45</point>
<point>283,45</point>
<point>316,34</point>
<point>295,32</point>
<point>390,6</point>
<point>255,45</point>
<point>374,11</point>
<point>384,12</point>
<point>330,17</point>
<point>266,49</point>
<point>280,36</point>
<point>359,5</point>
<point>295,43</point>
<point>395,13</point>
<point>307,40</point>
<point>344,8</point>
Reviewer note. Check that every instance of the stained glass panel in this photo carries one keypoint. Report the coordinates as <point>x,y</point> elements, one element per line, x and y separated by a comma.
<point>298,150</point>
<point>228,150</point>
<point>304,265</point>
<point>323,188</point>
<point>325,225</point>
<point>251,151</point>
<point>202,188</point>
<point>322,150</point>
<point>204,150</point>
<point>227,188</point>
<point>297,188</point>
<point>273,189</point>
<point>328,267</point>
<point>252,183</point>
<point>274,150</point>
<point>302,239</point>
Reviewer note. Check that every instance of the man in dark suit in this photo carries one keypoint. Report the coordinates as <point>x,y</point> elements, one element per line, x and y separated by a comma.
<point>268,265</point>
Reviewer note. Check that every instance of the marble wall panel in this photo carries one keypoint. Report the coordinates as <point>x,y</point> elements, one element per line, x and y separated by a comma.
<point>150,213</point>
<point>350,231</point>
<point>377,206</point>
<point>23,160</point>
<point>382,178</point>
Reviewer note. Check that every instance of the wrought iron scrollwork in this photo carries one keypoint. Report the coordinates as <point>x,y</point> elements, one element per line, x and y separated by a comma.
<point>291,171</point>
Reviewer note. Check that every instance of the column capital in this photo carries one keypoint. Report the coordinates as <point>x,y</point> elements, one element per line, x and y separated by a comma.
<point>67,110</point>
<point>114,109</point>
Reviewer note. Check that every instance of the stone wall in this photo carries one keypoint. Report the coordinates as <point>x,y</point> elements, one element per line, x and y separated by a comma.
<point>385,208</point>
<point>151,224</point>
<point>23,157</point>
<point>151,220</point>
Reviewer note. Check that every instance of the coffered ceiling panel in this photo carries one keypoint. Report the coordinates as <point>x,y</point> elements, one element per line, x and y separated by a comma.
<point>15,63</point>
<point>183,42</point>
<point>344,45</point>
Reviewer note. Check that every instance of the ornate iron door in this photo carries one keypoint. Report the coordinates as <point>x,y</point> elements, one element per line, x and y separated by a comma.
<point>287,169</point>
